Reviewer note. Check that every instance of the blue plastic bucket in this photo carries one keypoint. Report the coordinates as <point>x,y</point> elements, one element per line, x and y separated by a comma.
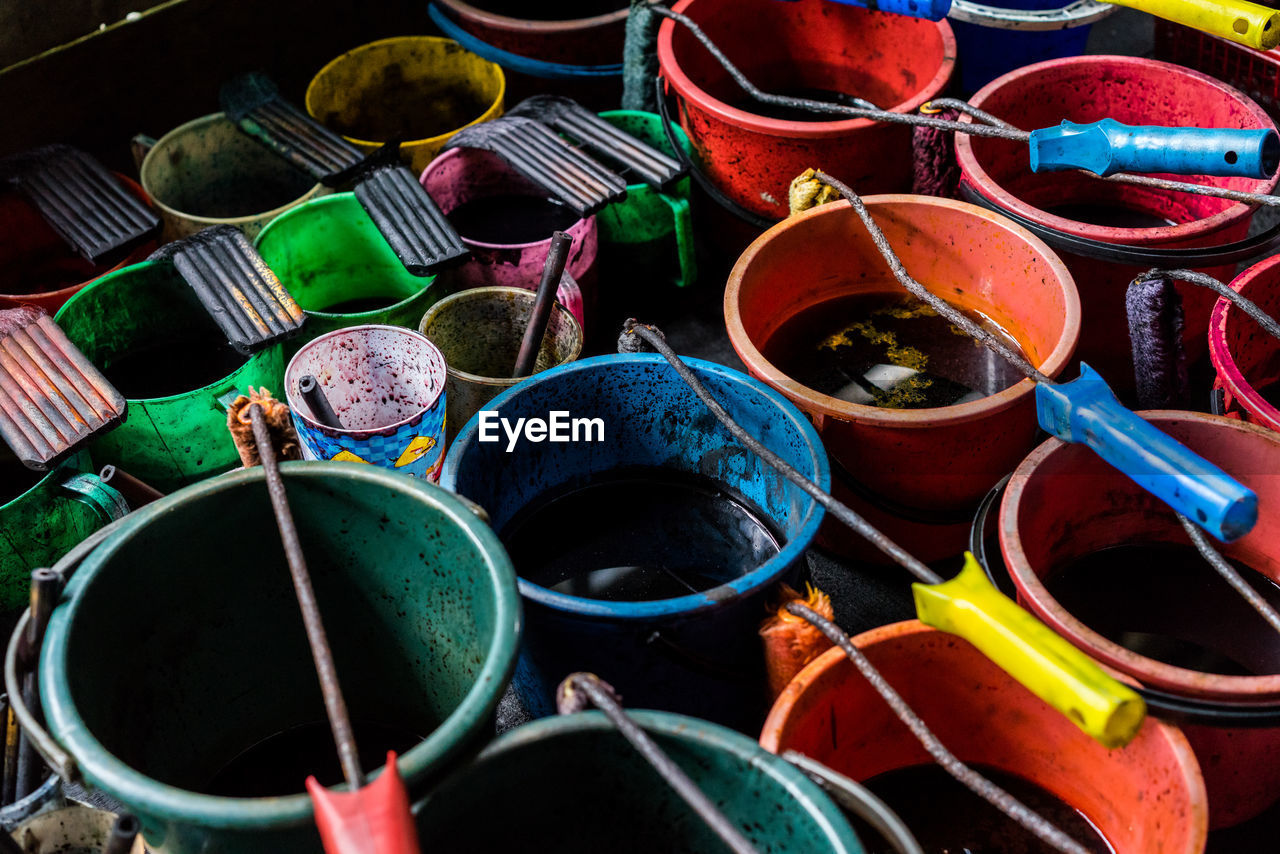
<point>985,53</point>
<point>697,654</point>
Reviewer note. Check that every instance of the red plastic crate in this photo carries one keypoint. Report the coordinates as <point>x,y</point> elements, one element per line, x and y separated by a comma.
<point>1254,72</point>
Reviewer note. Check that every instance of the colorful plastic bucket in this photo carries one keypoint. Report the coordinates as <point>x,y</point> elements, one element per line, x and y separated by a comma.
<point>1247,357</point>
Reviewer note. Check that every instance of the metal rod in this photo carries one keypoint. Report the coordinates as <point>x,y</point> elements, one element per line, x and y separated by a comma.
<point>836,508</point>
<point>334,704</point>
<point>602,697</point>
<point>1045,830</point>
<point>45,587</point>
<point>311,391</point>
<point>1228,572</point>
<point>1230,294</point>
<point>9,765</point>
<point>123,834</point>
<point>136,492</point>
<point>552,270</point>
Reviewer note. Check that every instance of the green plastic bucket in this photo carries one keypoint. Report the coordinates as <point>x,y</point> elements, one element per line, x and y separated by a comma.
<point>178,644</point>
<point>572,785</point>
<point>646,215</point>
<point>172,439</point>
<point>328,252</point>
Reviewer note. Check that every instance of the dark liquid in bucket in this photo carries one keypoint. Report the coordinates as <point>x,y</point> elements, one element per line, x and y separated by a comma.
<point>172,367</point>
<point>1271,393</point>
<point>946,818</point>
<point>15,478</point>
<point>407,107</point>
<point>1164,601</point>
<point>360,305</point>
<point>889,350</point>
<point>280,765</point>
<point>638,534</point>
<point>1114,216</point>
<point>46,273</point>
<point>505,220</point>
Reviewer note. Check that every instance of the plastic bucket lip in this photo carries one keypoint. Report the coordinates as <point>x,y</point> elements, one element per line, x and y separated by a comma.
<point>1224,361</point>
<point>491,111</point>
<point>973,173</point>
<point>524,25</point>
<point>686,88</point>
<point>316,205</point>
<point>236,221</point>
<point>105,771</point>
<point>387,429</point>
<point>695,603</point>
<point>833,407</point>
<point>1264,691</point>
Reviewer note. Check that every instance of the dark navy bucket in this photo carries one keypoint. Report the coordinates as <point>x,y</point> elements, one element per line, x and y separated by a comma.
<point>987,52</point>
<point>697,654</point>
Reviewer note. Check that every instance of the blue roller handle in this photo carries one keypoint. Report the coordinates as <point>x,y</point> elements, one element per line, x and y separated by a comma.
<point>933,10</point>
<point>1086,411</point>
<point>1107,146</point>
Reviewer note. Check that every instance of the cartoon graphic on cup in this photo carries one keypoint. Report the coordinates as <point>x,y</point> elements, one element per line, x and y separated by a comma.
<point>386,386</point>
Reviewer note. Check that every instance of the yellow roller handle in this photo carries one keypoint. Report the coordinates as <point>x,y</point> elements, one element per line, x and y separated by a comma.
<point>1236,20</point>
<point>1032,653</point>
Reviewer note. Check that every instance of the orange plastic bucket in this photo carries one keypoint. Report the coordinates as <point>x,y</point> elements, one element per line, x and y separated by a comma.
<point>1147,797</point>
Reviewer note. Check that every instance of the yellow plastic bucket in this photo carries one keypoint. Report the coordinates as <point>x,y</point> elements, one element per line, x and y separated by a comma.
<point>418,89</point>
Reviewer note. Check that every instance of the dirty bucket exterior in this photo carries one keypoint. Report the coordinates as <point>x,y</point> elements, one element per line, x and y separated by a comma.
<point>171,441</point>
<point>405,431</point>
<point>46,521</point>
<point>552,51</point>
<point>1245,356</point>
<point>70,829</point>
<point>209,172</point>
<point>570,811</point>
<point>463,174</point>
<point>648,219</point>
<point>1093,507</point>
<point>479,331</point>
<point>328,251</point>
<point>377,92</point>
<point>893,61</point>
<point>940,460</point>
<point>696,654</point>
<point>32,242</point>
<point>421,610</point>
<point>1134,91</point>
<point>986,53</point>
<point>1146,797</point>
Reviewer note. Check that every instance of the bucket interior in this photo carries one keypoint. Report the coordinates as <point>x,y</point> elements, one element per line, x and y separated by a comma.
<point>331,257</point>
<point>467,175</point>
<point>573,810</point>
<point>220,662</point>
<point>1254,351</point>
<point>33,258</point>
<point>210,168</point>
<point>789,48</point>
<point>480,333</point>
<point>1132,91</point>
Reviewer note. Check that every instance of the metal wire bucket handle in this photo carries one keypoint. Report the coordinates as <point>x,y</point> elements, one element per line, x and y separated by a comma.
<point>1077,14</point>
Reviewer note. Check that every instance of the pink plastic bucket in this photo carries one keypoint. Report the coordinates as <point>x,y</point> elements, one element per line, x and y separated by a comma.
<point>1245,356</point>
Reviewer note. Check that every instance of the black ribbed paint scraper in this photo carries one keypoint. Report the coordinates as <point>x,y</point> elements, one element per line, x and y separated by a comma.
<point>81,201</point>
<point>236,287</point>
<point>405,215</point>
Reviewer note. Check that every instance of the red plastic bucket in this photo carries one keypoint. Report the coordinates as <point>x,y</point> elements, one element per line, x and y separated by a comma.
<point>1064,502</point>
<point>1134,91</point>
<point>892,60</point>
<point>943,459</point>
<point>1145,798</point>
<point>34,256</point>
<point>1245,356</point>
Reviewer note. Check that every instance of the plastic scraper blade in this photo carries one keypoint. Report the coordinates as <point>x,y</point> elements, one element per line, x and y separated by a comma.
<point>372,820</point>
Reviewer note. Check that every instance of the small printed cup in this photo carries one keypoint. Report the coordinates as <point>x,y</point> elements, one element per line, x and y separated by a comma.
<point>387,386</point>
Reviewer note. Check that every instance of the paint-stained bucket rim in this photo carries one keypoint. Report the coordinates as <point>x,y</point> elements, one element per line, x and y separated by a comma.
<point>136,790</point>
<point>490,290</point>
<point>531,25</point>
<point>1262,690</point>
<point>985,184</point>
<point>318,204</point>
<point>1265,274</point>
<point>1052,365</point>
<point>437,379</point>
<point>762,576</point>
<point>686,88</point>
<point>789,778</point>
<point>491,111</point>
<point>225,385</point>
<point>209,221</point>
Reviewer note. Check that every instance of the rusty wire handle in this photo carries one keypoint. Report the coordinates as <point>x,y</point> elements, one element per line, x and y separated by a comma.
<point>600,695</point>
<point>334,704</point>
